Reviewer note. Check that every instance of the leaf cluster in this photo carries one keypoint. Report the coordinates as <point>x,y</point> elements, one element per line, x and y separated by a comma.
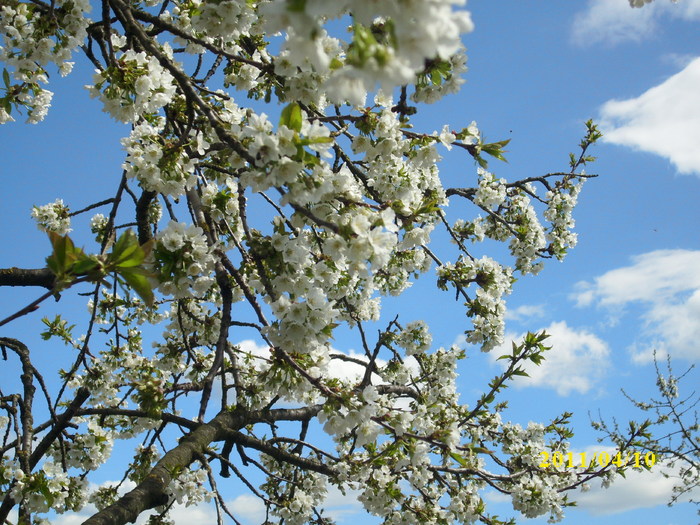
<point>70,263</point>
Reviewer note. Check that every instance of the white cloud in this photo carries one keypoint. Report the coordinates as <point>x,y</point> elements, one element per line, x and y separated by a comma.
<point>202,513</point>
<point>338,368</point>
<point>639,489</point>
<point>667,285</point>
<point>348,371</point>
<point>657,275</point>
<point>250,509</point>
<point>525,312</point>
<point>260,351</point>
<point>573,364</point>
<point>71,519</point>
<point>665,120</point>
<point>181,514</point>
<point>614,21</point>
<point>247,508</point>
<point>342,507</point>
<point>678,60</point>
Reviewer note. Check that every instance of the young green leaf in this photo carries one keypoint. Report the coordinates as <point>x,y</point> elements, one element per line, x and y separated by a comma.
<point>291,117</point>
<point>137,279</point>
<point>459,459</point>
<point>128,253</point>
<point>84,265</point>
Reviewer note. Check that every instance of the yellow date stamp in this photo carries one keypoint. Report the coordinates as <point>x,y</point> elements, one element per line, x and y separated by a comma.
<point>601,459</point>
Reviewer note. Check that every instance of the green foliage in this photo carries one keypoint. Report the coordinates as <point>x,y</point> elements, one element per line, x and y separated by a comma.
<point>291,117</point>
<point>59,327</point>
<point>593,134</point>
<point>70,263</point>
<point>495,149</point>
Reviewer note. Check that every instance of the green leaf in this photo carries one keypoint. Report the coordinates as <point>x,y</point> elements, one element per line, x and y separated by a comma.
<point>316,140</point>
<point>291,117</point>
<point>6,78</point>
<point>58,327</point>
<point>459,459</point>
<point>125,245</point>
<point>296,6</point>
<point>46,492</point>
<point>495,149</point>
<point>84,265</point>
<point>537,359</point>
<point>127,252</point>
<point>137,279</point>
<point>64,254</point>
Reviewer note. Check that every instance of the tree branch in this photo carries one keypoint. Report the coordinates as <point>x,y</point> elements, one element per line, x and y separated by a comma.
<point>282,455</point>
<point>26,277</point>
<point>151,492</point>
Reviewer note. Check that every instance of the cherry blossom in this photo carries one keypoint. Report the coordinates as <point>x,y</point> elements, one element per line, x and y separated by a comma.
<point>276,190</point>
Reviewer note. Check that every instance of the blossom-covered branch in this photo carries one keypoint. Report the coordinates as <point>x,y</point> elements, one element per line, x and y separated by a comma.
<point>261,236</point>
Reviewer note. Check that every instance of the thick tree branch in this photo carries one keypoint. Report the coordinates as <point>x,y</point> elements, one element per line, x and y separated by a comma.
<point>142,216</point>
<point>151,492</point>
<point>26,277</point>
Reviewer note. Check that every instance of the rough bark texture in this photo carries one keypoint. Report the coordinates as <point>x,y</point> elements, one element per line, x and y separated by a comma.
<point>26,277</point>
<point>151,492</point>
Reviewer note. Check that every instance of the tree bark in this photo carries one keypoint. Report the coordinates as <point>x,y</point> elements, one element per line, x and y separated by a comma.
<point>151,492</point>
<point>26,277</point>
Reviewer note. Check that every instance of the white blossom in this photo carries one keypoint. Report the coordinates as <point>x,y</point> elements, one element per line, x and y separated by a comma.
<point>53,217</point>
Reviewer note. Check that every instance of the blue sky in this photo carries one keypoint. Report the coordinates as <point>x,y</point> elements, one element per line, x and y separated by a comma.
<point>537,71</point>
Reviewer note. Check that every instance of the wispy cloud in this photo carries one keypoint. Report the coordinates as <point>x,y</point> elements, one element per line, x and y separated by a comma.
<point>614,21</point>
<point>525,312</point>
<point>666,283</point>
<point>665,120</point>
<point>573,364</point>
<point>342,508</point>
<point>347,371</point>
<point>639,489</point>
<point>247,508</point>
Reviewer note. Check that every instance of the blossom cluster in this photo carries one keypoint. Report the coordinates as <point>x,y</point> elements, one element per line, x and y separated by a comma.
<point>528,241</point>
<point>135,85</point>
<point>491,192</point>
<point>301,222</point>
<point>159,164</point>
<point>415,338</point>
<point>184,261</point>
<point>487,309</point>
<point>387,46</point>
<point>53,217</point>
<point>32,37</point>
<point>294,502</point>
<point>49,488</point>
<point>188,487</point>
<point>560,206</point>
